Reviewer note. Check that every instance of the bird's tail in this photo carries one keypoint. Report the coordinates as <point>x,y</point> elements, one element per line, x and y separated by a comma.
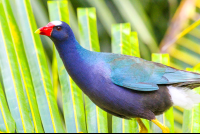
<point>184,97</point>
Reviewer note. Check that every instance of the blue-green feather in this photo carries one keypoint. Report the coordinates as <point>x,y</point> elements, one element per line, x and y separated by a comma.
<point>139,74</point>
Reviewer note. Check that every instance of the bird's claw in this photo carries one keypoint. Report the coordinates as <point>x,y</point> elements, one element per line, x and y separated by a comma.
<point>165,130</point>
<point>143,130</point>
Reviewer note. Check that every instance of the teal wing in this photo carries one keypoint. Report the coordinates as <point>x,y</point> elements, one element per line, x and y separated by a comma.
<point>139,74</point>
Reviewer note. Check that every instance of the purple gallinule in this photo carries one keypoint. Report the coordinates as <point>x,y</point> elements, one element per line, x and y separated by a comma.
<point>124,86</point>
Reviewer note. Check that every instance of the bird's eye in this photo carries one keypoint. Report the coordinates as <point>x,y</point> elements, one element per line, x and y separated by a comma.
<point>58,28</point>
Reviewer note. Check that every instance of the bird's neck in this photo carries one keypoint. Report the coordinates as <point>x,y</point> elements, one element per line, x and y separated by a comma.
<point>73,55</point>
<point>69,48</point>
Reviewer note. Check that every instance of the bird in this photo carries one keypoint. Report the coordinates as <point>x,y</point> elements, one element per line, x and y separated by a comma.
<point>124,86</point>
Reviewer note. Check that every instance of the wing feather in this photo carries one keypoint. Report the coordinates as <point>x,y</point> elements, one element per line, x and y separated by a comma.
<point>142,75</point>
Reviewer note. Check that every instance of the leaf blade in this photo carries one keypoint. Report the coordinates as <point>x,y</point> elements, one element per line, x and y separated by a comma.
<point>39,70</point>
<point>23,65</point>
<point>74,119</point>
<point>124,42</point>
<point>96,118</point>
<point>167,118</point>
<point>191,118</point>
<point>12,79</point>
<point>5,113</point>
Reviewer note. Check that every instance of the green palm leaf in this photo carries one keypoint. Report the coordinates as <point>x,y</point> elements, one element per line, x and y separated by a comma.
<point>191,118</point>
<point>124,42</point>
<point>141,24</point>
<point>136,52</point>
<point>102,9</point>
<point>23,65</point>
<point>182,44</point>
<point>39,70</point>
<point>40,11</point>
<point>7,124</point>
<point>12,79</point>
<point>167,118</point>
<point>71,94</point>
<point>134,44</point>
<point>96,118</point>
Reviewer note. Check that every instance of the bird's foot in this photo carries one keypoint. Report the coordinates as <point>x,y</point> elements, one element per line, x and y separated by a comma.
<point>143,130</point>
<point>165,129</point>
<point>161,126</point>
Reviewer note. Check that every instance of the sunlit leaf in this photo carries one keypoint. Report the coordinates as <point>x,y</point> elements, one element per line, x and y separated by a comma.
<point>167,118</point>
<point>23,65</point>
<point>40,11</point>
<point>71,94</point>
<point>12,79</point>
<point>128,11</point>
<point>7,124</point>
<point>182,43</point>
<point>124,42</point>
<point>47,104</point>
<point>134,44</point>
<point>95,117</point>
<point>102,9</point>
<point>191,118</point>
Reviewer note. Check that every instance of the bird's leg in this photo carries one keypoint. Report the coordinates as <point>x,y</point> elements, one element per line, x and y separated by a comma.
<point>142,128</point>
<point>161,126</point>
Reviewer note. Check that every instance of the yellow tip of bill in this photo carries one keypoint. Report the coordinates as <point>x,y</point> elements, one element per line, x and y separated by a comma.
<point>37,31</point>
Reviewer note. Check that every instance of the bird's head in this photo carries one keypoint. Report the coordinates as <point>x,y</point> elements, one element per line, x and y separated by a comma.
<point>57,31</point>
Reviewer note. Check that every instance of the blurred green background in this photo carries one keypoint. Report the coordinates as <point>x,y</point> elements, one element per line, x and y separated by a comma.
<point>157,22</point>
<point>150,18</point>
<point>162,26</point>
